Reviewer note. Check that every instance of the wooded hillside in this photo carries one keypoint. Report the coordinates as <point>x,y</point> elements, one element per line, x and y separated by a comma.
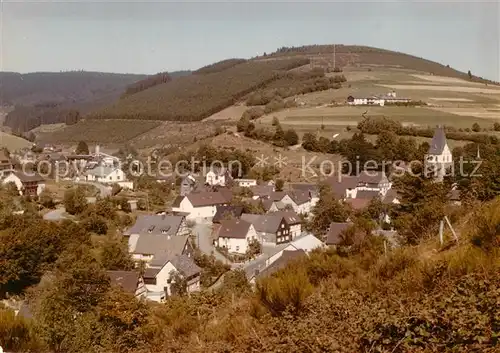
<point>195,97</point>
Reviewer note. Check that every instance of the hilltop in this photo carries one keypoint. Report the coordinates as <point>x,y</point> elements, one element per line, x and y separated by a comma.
<point>219,85</point>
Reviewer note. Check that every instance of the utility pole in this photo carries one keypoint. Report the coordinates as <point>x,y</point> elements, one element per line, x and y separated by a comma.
<point>334,66</point>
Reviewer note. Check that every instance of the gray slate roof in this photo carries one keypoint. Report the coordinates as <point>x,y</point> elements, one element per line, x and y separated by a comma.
<point>234,211</point>
<point>156,225</point>
<point>127,280</point>
<point>367,194</point>
<point>159,244</point>
<point>182,263</point>
<point>29,177</point>
<point>234,228</point>
<point>185,265</point>
<point>284,260</point>
<point>101,171</point>
<point>333,235</point>
<point>268,223</point>
<point>202,199</point>
<point>438,141</point>
<point>291,217</point>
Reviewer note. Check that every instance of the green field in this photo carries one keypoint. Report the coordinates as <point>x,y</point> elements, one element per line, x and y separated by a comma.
<point>352,115</point>
<point>13,143</point>
<point>102,131</point>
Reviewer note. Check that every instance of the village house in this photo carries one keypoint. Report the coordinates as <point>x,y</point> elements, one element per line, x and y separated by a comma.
<point>200,205</point>
<point>105,175</point>
<point>348,186</point>
<point>160,276</point>
<point>293,220</point>
<point>28,184</point>
<point>271,229</point>
<point>285,259</point>
<point>262,191</point>
<point>305,243</point>
<point>439,158</point>
<point>226,212</point>
<point>129,281</point>
<point>148,247</point>
<point>235,235</point>
<point>188,184</point>
<point>161,225</point>
<point>301,201</point>
<point>80,161</point>
<point>245,183</point>
<point>6,166</point>
<point>392,98</point>
<point>372,100</point>
<point>334,234</point>
<point>218,176</point>
<point>381,100</point>
<point>267,205</point>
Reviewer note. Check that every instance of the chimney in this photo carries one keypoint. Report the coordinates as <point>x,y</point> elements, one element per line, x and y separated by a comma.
<point>97,150</point>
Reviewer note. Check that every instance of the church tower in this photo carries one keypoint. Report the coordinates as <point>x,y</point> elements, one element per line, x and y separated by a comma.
<point>438,159</point>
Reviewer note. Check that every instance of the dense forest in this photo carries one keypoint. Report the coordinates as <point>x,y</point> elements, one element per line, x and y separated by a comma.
<point>62,87</point>
<point>148,82</point>
<point>219,66</point>
<point>195,97</point>
<point>25,118</point>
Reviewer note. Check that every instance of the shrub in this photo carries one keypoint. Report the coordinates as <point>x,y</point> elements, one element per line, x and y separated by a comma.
<point>476,127</point>
<point>253,113</point>
<point>485,226</point>
<point>284,291</point>
<point>16,333</point>
<point>275,105</point>
<point>75,201</point>
<point>291,137</point>
<point>496,126</point>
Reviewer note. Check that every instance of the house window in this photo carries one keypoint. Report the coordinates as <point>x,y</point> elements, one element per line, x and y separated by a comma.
<point>237,248</point>
<point>110,178</point>
<point>117,177</point>
<point>279,232</point>
<point>282,226</point>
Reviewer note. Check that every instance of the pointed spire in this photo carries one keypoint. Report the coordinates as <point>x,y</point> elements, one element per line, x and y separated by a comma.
<point>478,156</point>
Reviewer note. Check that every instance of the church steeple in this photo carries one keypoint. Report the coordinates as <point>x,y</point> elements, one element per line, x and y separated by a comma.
<point>478,156</point>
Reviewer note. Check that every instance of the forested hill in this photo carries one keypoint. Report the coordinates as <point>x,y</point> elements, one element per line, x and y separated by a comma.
<point>62,87</point>
<point>55,97</point>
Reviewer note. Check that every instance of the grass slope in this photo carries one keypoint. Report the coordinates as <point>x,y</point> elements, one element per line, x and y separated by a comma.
<point>105,131</point>
<point>364,55</point>
<point>13,143</point>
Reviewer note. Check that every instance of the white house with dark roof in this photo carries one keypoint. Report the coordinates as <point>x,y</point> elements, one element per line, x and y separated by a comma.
<point>235,235</point>
<point>166,226</point>
<point>200,205</point>
<point>158,278</point>
<point>108,175</point>
<point>439,158</point>
<point>218,176</point>
<point>31,184</point>
<point>271,229</point>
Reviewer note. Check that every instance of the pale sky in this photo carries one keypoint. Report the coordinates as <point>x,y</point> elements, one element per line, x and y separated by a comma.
<point>149,37</point>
